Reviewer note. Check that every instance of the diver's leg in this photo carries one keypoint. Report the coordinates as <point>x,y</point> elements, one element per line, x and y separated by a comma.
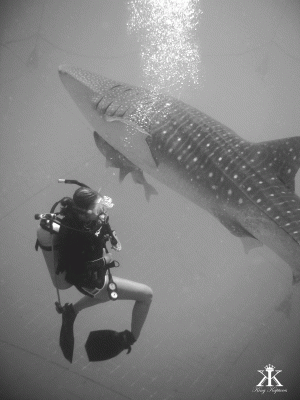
<point>87,301</point>
<point>142,294</point>
<point>127,290</point>
<point>106,344</point>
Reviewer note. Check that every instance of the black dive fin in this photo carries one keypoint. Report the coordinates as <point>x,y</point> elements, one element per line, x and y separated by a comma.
<point>106,344</point>
<point>66,343</point>
<point>66,338</point>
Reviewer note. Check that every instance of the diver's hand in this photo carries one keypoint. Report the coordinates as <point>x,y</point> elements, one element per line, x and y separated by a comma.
<point>118,247</point>
<point>117,244</point>
<point>107,256</point>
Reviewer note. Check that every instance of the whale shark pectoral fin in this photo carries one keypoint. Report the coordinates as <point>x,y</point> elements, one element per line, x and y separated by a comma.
<point>108,163</point>
<point>149,141</point>
<point>248,240</point>
<point>281,157</point>
<point>130,141</point>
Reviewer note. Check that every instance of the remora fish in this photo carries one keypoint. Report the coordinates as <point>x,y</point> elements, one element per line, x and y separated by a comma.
<point>116,160</point>
<point>248,187</point>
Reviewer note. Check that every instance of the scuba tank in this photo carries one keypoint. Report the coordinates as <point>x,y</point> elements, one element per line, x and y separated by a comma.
<point>47,241</point>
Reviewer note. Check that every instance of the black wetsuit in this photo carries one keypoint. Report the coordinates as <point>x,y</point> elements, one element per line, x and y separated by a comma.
<point>79,248</point>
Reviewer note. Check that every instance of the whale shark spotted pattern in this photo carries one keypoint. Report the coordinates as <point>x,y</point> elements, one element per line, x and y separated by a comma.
<point>248,187</point>
<point>232,168</point>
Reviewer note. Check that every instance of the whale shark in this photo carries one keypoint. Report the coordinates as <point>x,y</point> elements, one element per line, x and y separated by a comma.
<point>249,187</point>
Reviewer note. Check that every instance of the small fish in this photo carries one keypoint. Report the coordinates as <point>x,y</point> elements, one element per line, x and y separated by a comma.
<point>116,160</point>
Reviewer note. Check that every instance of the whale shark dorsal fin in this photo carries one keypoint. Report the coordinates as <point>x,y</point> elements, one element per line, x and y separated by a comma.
<point>280,157</point>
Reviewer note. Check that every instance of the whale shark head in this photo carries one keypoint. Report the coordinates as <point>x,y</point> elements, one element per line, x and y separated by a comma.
<point>116,110</point>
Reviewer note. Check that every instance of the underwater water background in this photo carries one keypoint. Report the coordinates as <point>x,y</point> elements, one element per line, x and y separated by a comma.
<point>218,315</point>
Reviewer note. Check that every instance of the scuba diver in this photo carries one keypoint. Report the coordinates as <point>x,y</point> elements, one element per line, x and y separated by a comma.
<point>82,259</point>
